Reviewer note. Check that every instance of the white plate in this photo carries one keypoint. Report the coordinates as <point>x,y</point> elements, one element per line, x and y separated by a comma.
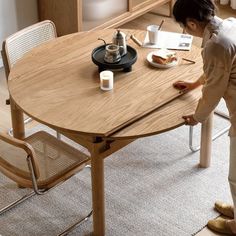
<point>161,66</point>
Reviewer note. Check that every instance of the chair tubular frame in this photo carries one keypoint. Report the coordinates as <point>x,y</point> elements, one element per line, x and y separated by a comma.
<point>28,120</point>
<point>42,192</point>
<point>218,134</point>
<point>36,190</point>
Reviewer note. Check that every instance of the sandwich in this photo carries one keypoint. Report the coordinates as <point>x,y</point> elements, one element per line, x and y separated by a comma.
<point>164,56</point>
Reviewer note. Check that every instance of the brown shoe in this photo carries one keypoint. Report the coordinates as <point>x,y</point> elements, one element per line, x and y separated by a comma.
<point>220,225</point>
<point>225,209</point>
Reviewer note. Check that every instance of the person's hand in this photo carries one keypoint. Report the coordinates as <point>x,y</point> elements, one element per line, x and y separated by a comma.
<point>184,86</point>
<point>189,120</point>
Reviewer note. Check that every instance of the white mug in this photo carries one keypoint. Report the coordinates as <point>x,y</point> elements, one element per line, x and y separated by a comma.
<point>153,33</point>
<point>106,80</point>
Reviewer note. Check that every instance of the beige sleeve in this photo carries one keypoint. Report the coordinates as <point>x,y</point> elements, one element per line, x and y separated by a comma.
<point>202,79</point>
<point>216,81</point>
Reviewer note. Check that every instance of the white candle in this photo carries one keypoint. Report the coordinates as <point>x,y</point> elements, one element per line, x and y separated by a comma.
<point>106,80</point>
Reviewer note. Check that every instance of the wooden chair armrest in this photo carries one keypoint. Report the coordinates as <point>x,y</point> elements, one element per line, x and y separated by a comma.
<point>5,60</point>
<point>25,146</point>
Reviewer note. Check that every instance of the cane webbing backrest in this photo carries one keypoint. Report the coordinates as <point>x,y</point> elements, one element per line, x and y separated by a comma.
<point>16,45</point>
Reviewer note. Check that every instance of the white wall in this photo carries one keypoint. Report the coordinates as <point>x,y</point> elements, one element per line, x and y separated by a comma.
<point>15,15</point>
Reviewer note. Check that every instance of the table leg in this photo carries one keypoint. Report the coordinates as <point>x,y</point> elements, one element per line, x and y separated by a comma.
<point>17,119</point>
<point>97,172</point>
<point>206,141</point>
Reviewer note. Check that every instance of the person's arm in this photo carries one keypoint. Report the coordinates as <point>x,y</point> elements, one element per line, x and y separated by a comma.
<point>187,85</point>
<point>217,67</point>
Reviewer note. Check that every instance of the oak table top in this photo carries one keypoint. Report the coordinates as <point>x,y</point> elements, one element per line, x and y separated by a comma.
<point>57,84</point>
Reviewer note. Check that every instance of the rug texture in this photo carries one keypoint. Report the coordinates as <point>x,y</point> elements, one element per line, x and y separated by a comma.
<point>153,187</point>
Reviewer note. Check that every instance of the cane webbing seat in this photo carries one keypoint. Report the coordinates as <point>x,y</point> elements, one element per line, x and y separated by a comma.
<point>53,161</point>
<point>40,162</point>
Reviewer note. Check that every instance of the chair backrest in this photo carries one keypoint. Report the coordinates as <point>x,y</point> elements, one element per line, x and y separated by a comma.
<point>16,45</point>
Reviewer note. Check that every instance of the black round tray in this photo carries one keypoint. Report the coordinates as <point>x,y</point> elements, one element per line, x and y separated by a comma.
<point>125,63</point>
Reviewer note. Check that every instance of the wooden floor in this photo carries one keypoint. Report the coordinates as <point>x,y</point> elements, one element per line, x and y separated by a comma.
<point>139,23</point>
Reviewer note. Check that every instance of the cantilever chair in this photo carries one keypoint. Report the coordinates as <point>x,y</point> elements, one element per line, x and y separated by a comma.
<point>18,44</point>
<point>40,162</point>
<point>215,136</point>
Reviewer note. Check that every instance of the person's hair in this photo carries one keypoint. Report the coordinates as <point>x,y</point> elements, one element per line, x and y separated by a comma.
<point>200,10</point>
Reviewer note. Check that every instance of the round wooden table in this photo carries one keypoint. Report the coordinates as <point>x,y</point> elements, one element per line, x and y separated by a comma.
<point>57,84</point>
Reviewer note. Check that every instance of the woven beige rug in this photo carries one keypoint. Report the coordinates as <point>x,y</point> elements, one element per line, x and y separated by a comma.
<point>153,188</point>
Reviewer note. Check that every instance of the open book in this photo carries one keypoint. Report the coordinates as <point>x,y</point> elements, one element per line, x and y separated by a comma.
<point>170,40</point>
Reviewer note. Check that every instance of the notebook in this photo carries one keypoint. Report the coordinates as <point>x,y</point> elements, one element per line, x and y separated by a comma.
<point>170,40</point>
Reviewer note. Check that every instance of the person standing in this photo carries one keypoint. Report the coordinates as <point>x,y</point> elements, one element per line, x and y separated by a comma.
<point>198,18</point>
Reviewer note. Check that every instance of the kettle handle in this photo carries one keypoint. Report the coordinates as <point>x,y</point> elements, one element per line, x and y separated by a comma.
<point>102,40</point>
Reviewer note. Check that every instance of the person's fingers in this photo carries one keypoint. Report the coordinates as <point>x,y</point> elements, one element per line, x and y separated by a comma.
<point>187,120</point>
<point>177,82</point>
<point>180,85</point>
<point>185,117</point>
<point>184,90</point>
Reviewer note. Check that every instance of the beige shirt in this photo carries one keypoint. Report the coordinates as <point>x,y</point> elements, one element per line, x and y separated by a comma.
<point>219,66</point>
